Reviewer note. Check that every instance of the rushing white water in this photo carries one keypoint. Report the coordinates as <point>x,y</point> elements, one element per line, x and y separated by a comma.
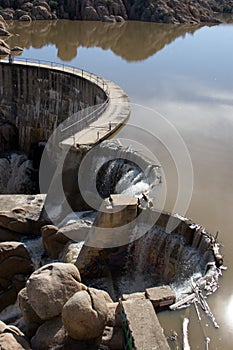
<point>16,174</point>
<point>79,216</point>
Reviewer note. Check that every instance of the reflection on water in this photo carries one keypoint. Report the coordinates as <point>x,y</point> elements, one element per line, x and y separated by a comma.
<point>187,79</point>
<point>133,41</point>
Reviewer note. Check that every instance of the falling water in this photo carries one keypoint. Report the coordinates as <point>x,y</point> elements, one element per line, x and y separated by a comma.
<point>36,251</point>
<point>121,176</point>
<point>16,172</point>
<point>160,258</point>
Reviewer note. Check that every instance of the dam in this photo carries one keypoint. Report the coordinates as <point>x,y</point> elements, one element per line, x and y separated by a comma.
<point>66,114</point>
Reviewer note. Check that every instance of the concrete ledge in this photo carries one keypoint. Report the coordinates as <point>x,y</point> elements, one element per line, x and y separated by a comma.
<point>141,326</point>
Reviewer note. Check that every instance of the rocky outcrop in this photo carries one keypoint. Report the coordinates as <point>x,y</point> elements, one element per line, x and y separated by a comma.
<point>162,11</point>
<point>15,266</point>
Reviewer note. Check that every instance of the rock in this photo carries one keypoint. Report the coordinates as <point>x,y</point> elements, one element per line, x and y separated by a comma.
<point>4,32</point>
<point>52,335</point>
<point>53,240</point>
<point>133,296</point>
<point>4,328</point>
<point>19,13</point>
<point>31,319</point>
<point>106,296</point>
<point>7,14</point>
<point>40,13</point>
<point>114,315</point>
<point>17,49</point>
<point>7,235</point>
<point>113,337</point>
<point>109,19</point>
<point>4,44</point>
<point>49,335</point>
<point>90,14</point>
<point>10,341</point>
<point>9,134</point>
<point>16,220</point>
<point>71,252</point>
<point>50,287</point>
<point>161,297</point>
<point>15,265</point>
<point>3,23</point>
<point>119,19</point>
<point>4,51</point>
<point>85,314</point>
<point>25,18</point>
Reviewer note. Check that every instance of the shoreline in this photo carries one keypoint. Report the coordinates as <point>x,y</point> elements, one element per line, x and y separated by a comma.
<point>112,11</point>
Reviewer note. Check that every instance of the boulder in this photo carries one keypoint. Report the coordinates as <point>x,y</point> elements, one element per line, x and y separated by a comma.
<point>17,220</point>
<point>9,341</point>
<point>40,13</point>
<point>7,235</point>
<point>25,18</point>
<point>51,286</point>
<point>49,335</point>
<point>31,319</point>
<point>53,240</point>
<point>7,14</point>
<point>4,328</point>
<point>15,266</point>
<point>71,252</point>
<point>16,49</point>
<point>90,14</point>
<point>52,335</point>
<point>4,51</point>
<point>3,23</point>
<point>109,19</point>
<point>85,314</point>
<point>113,338</point>
<point>114,315</point>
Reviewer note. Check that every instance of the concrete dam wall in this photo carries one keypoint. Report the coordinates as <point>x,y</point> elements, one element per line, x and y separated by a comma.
<point>34,100</point>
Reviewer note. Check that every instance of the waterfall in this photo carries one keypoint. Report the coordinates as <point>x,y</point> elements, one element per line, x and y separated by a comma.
<point>160,258</point>
<point>36,251</point>
<point>121,176</point>
<point>16,172</point>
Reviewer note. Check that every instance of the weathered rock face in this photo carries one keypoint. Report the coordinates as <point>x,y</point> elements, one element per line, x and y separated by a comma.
<point>15,266</point>
<point>50,287</point>
<point>85,314</point>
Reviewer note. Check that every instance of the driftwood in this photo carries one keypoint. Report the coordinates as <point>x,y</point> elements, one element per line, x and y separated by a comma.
<point>202,301</point>
<point>181,303</point>
<point>186,345</point>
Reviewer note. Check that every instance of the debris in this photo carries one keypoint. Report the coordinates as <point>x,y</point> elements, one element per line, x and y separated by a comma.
<point>185,334</point>
<point>180,303</point>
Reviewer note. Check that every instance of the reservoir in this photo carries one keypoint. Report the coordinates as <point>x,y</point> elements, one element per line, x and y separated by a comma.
<point>180,82</point>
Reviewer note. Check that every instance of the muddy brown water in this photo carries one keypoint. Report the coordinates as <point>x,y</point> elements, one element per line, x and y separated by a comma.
<point>180,78</point>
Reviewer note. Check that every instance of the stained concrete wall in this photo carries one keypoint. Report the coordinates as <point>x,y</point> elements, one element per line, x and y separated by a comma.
<point>36,99</point>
